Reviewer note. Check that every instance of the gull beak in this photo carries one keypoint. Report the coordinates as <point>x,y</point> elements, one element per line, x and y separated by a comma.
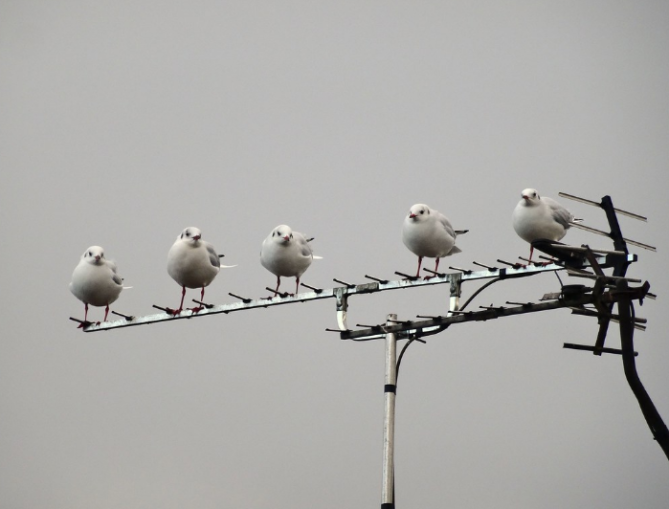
<point>411,216</point>
<point>286,238</point>
<point>97,258</point>
<point>197,237</point>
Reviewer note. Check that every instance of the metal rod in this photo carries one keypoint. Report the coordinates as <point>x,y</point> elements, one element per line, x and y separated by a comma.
<point>485,266</point>
<point>207,306</point>
<point>466,271</point>
<point>605,234</point>
<point>440,274</point>
<point>278,294</point>
<point>406,276</point>
<point>127,317</point>
<point>347,285</point>
<point>588,348</point>
<point>243,299</point>
<point>510,264</point>
<point>584,249</point>
<point>589,275</point>
<point>382,281</point>
<point>595,204</point>
<point>400,321</point>
<point>487,314</point>
<point>317,290</point>
<point>589,312</point>
<point>390,387</point>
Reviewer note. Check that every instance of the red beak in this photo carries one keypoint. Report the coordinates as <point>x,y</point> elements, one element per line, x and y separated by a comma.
<point>411,216</point>
<point>197,237</point>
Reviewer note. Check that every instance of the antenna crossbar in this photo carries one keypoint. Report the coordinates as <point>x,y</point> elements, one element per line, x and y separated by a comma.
<point>340,293</point>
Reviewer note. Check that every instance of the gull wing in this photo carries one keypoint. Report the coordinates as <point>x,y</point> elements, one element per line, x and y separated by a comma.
<point>559,213</point>
<point>213,257</point>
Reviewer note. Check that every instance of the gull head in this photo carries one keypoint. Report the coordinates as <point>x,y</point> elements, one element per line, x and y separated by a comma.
<point>282,234</point>
<point>191,235</point>
<point>530,196</point>
<point>94,255</point>
<point>419,212</point>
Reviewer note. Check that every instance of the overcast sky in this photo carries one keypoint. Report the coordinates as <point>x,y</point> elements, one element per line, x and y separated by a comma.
<point>121,123</point>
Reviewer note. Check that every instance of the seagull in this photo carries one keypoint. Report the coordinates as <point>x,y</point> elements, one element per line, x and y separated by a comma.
<point>286,253</point>
<point>427,233</point>
<point>95,281</point>
<point>537,218</point>
<point>192,263</point>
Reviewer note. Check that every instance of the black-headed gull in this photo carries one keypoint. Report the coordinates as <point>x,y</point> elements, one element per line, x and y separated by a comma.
<point>95,281</point>
<point>286,253</point>
<point>428,233</point>
<point>192,263</point>
<point>537,218</point>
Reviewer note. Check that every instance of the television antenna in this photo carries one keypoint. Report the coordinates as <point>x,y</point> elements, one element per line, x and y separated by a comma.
<point>584,262</point>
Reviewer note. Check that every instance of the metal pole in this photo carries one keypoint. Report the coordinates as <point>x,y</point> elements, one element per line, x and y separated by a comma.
<point>388,488</point>
<point>650,413</point>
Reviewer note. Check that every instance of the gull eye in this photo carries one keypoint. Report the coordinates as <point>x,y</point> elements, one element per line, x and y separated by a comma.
<point>90,253</point>
<point>422,212</point>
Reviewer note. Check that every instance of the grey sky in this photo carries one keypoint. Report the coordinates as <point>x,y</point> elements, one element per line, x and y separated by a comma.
<point>122,122</point>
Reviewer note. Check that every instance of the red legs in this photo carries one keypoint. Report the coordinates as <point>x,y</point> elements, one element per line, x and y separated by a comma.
<point>276,291</point>
<point>436,269</point>
<point>175,312</point>
<point>106,313</point>
<point>200,307</point>
<point>81,325</point>
<point>86,322</point>
<point>183,295</point>
<point>536,263</point>
<point>420,260</point>
<point>278,284</point>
